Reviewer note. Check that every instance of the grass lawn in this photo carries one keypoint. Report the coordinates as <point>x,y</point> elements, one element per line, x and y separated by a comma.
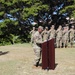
<point>18,60</point>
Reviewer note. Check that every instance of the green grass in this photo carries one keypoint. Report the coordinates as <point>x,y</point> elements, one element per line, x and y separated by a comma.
<point>19,61</point>
<point>8,67</point>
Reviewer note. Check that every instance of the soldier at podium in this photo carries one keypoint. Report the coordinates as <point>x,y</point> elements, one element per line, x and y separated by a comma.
<point>37,41</point>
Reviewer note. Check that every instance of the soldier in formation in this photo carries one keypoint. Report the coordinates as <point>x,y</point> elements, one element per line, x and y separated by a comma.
<point>45,34</point>
<point>71,35</point>
<point>52,32</point>
<point>65,36</point>
<point>32,32</point>
<point>59,34</point>
<point>62,36</point>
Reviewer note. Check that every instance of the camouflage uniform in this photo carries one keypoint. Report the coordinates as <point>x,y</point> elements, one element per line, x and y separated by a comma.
<point>52,33</point>
<point>65,37</point>
<point>32,32</point>
<point>37,47</point>
<point>71,33</point>
<point>59,37</point>
<point>45,34</point>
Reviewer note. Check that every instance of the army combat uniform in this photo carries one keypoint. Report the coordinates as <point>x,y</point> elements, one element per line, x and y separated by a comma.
<point>32,32</point>
<point>71,33</point>
<point>37,47</point>
<point>45,35</point>
<point>59,38</point>
<point>65,38</point>
<point>52,33</point>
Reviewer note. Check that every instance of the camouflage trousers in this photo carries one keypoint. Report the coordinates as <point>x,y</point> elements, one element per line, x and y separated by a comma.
<point>31,39</point>
<point>58,42</point>
<point>71,41</point>
<point>37,52</point>
<point>65,41</point>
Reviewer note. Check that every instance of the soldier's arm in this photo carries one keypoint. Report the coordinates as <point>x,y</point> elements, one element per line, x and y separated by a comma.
<point>42,33</point>
<point>74,34</point>
<point>63,32</point>
<point>69,30</point>
<point>38,41</point>
<point>30,31</point>
<point>57,31</point>
<point>49,33</point>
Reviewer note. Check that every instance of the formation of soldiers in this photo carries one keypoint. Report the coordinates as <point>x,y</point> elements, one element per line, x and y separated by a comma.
<point>64,36</point>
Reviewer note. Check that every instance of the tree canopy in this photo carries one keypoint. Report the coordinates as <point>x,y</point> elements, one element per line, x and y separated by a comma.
<point>16,16</point>
<point>13,14</point>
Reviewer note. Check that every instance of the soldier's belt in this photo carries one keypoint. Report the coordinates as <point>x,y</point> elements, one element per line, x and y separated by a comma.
<point>38,44</point>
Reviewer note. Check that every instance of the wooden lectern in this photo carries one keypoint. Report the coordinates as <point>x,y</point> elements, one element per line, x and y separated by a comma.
<point>48,55</point>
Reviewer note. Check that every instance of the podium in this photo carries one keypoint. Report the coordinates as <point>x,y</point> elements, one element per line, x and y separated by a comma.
<point>48,55</point>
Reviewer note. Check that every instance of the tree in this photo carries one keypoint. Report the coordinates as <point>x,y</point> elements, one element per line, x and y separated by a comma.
<point>13,14</point>
<point>16,16</point>
<point>69,8</point>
